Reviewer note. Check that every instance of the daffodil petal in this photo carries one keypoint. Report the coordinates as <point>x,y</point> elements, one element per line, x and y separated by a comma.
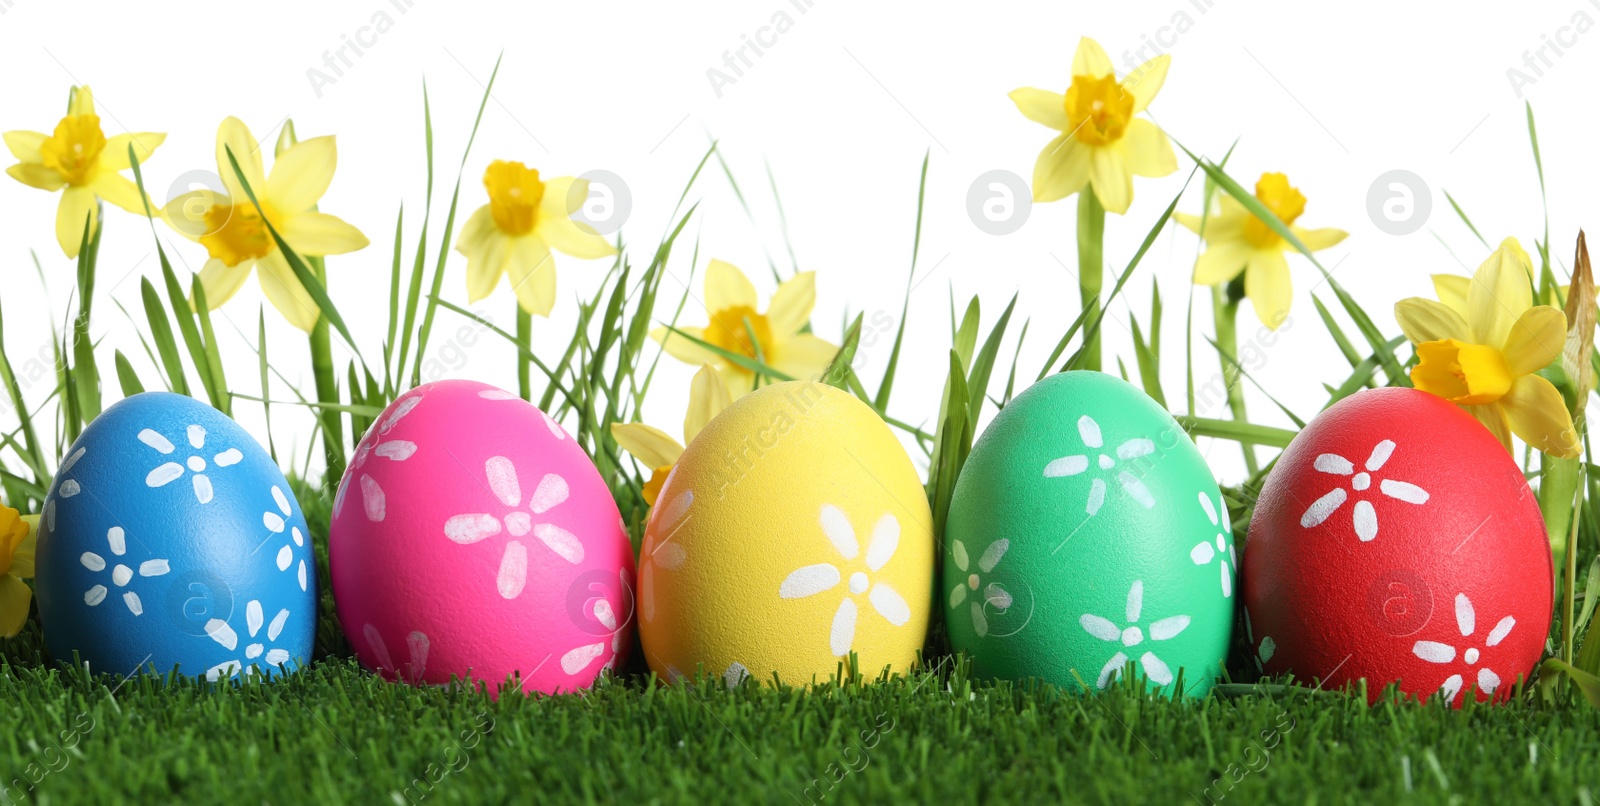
<point>727,287</point>
<point>186,212</point>
<point>319,234</point>
<point>1041,106</point>
<point>1091,60</point>
<point>119,190</point>
<point>485,262</point>
<point>1452,290</point>
<point>35,175</point>
<point>792,303</point>
<point>1423,320</point>
<point>1147,150</point>
<point>682,348</point>
<point>1536,339</point>
<point>1267,284</point>
<point>77,206</point>
<point>1538,415</point>
<point>22,558</point>
<point>1222,261</point>
<point>1113,185</point>
<point>802,356</point>
<point>82,102</point>
<point>1501,290</point>
<point>650,445</point>
<point>302,174</point>
<point>563,196</point>
<point>115,155</point>
<point>222,281</point>
<point>1319,239</point>
<point>15,596</point>
<point>532,271</point>
<point>234,135</point>
<point>1146,80</point>
<point>24,145</point>
<point>285,292</point>
<point>1493,418</point>
<point>708,396</point>
<point>740,381</point>
<point>1061,170</point>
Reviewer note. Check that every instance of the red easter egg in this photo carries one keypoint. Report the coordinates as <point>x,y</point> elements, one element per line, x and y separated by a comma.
<point>1396,540</point>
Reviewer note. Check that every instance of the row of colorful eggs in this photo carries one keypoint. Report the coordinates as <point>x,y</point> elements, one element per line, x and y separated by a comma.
<point>472,538</point>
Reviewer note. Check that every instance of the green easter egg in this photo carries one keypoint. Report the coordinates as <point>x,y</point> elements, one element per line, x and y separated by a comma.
<point>1086,533</point>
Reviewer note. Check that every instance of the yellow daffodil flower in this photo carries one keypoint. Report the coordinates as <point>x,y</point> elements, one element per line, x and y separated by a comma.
<point>1101,143</point>
<point>778,340</point>
<point>236,239</point>
<point>16,564</point>
<point>708,396</point>
<point>1237,241</point>
<point>79,160</point>
<point>1481,345</point>
<point>513,234</point>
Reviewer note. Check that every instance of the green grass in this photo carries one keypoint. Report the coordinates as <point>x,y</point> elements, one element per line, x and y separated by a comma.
<point>335,734</point>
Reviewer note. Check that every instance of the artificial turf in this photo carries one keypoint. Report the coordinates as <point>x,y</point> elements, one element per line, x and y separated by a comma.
<point>334,733</point>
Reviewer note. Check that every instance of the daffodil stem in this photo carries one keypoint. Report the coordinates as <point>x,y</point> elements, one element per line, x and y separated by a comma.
<point>1225,312</point>
<point>327,387</point>
<point>1091,266</point>
<point>524,338</point>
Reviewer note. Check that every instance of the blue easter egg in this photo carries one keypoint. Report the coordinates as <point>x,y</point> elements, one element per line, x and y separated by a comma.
<point>170,538</point>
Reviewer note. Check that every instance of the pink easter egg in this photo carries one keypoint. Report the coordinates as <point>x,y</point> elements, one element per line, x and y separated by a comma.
<point>473,539</point>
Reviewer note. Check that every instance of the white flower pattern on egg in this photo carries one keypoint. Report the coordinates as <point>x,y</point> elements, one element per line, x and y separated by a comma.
<point>195,465</point>
<point>549,422</point>
<point>1441,653</point>
<point>121,574</point>
<point>1364,516</point>
<point>256,653</point>
<point>1219,546</point>
<point>1097,462</point>
<point>668,553</point>
<point>814,579</point>
<point>373,502</point>
<point>472,527</point>
<point>993,594</point>
<point>276,523</point>
<point>417,644</point>
<point>1132,636</point>
<point>68,488</point>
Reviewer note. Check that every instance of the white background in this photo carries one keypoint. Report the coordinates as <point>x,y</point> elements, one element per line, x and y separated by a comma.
<point>842,106</point>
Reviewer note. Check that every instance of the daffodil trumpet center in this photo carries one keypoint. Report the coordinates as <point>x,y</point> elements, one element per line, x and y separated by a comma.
<point>74,149</point>
<point>1462,373</point>
<point>1098,109</point>
<point>732,329</point>
<point>1285,202</point>
<point>236,233</point>
<point>515,193</point>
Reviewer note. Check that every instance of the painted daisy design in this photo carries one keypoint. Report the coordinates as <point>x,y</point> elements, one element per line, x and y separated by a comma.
<point>1466,622</point>
<point>993,594</point>
<point>373,502</point>
<point>1364,515</point>
<point>68,488</point>
<point>1220,546</point>
<point>814,579</point>
<point>1099,463</point>
<point>276,524</point>
<point>120,574</point>
<point>256,653</point>
<point>470,528</point>
<point>195,465</point>
<point>1132,636</point>
<point>417,644</point>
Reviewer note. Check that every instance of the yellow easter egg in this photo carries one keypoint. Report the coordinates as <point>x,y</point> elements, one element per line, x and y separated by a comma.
<point>793,532</point>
